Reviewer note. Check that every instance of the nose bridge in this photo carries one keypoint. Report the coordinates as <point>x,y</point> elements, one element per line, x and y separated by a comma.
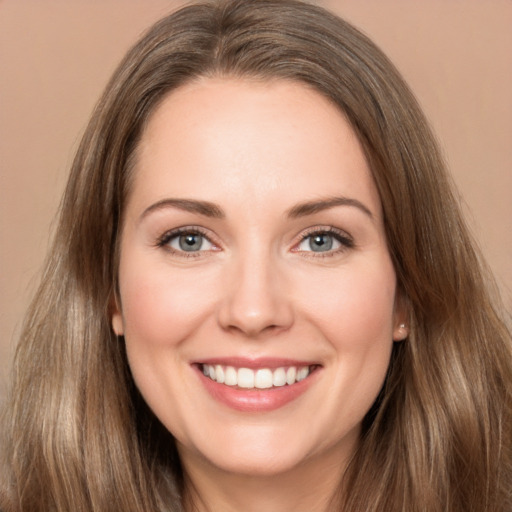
<point>255,298</point>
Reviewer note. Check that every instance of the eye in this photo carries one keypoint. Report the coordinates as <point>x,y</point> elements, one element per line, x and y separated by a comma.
<point>324,241</point>
<point>190,242</point>
<point>186,241</point>
<point>319,242</point>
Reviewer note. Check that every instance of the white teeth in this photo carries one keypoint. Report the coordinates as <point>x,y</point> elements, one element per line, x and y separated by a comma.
<point>230,376</point>
<point>245,378</point>
<point>263,378</point>
<point>219,373</point>
<point>279,377</point>
<point>302,374</point>
<point>290,375</point>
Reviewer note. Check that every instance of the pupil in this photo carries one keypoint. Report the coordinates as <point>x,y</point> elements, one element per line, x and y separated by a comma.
<point>190,242</point>
<point>321,243</point>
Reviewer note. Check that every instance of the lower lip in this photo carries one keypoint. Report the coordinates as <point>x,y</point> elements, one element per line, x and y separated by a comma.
<point>256,400</point>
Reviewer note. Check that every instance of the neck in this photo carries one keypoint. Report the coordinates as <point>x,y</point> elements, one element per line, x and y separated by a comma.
<point>312,487</point>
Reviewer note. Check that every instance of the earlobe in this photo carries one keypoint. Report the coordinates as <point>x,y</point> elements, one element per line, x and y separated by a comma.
<point>117,324</point>
<point>401,314</point>
<point>116,318</point>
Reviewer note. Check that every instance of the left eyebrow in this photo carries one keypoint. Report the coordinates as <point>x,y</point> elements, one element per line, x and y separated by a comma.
<point>189,205</point>
<point>311,207</point>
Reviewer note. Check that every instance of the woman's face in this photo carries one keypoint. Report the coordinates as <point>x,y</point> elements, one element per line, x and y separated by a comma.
<point>253,251</point>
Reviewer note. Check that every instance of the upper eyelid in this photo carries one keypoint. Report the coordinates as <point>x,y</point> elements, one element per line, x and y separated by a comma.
<point>331,230</point>
<point>171,233</point>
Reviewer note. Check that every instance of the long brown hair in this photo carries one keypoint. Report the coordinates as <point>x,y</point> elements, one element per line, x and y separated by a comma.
<point>439,438</point>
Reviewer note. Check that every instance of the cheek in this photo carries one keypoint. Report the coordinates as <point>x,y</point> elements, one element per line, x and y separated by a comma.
<point>353,304</point>
<point>355,316</point>
<point>162,310</point>
<point>161,307</point>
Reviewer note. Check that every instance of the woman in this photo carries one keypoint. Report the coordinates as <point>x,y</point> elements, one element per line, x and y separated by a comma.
<point>261,292</point>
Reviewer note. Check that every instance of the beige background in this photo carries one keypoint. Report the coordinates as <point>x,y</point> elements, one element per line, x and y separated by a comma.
<point>56,56</point>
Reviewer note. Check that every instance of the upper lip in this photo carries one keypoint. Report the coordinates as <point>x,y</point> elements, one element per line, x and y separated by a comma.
<point>255,363</point>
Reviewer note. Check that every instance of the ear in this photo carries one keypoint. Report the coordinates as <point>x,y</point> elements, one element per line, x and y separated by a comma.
<point>401,323</point>
<point>116,316</point>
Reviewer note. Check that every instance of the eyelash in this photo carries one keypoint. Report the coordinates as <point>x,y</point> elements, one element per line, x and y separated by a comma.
<point>164,240</point>
<point>340,236</point>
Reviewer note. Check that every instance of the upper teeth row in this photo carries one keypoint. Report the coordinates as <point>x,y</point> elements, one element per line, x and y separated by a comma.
<point>263,378</point>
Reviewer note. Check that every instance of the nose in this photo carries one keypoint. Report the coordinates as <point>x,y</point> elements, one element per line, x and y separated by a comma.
<point>255,299</point>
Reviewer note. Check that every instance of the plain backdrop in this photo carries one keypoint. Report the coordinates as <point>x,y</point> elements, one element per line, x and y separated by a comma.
<point>56,56</point>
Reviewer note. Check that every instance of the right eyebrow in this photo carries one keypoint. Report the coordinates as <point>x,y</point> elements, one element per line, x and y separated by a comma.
<point>189,205</point>
<point>312,207</point>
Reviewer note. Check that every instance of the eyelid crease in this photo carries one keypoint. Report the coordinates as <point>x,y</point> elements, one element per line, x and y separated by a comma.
<point>327,230</point>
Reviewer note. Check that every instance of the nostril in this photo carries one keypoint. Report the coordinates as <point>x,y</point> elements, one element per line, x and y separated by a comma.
<point>252,302</point>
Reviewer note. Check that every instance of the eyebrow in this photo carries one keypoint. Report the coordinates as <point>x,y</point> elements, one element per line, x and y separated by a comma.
<point>212,210</point>
<point>311,207</point>
<point>189,205</point>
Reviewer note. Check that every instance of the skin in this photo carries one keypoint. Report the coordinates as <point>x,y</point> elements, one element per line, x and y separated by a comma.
<point>256,288</point>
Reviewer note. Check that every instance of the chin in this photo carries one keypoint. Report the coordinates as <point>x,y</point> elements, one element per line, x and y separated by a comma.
<point>264,452</point>
<point>257,464</point>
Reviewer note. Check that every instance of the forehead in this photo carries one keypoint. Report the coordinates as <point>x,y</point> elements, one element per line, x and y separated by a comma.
<point>225,138</point>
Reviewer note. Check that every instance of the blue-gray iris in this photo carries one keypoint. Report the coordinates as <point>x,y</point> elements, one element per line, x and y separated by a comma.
<point>320,243</point>
<point>190,242</point>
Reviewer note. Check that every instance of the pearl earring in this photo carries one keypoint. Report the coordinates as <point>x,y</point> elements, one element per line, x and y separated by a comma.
<point>402,332</point>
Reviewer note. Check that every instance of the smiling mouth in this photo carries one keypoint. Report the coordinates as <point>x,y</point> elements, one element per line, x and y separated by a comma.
<point>262,378</point>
